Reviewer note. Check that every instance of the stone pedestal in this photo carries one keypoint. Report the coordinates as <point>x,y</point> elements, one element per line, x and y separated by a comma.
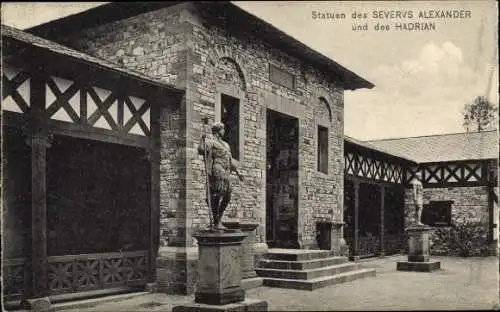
<point>330,236</point>
<point>219,274</point>
<point>418,251</point>
<point>248,274</point>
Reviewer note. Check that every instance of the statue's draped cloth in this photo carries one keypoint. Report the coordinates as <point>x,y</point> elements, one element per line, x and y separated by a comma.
<point>219,164</point>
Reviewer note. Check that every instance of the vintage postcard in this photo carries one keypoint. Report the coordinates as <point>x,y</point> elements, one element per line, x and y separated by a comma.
<point>250,156</point>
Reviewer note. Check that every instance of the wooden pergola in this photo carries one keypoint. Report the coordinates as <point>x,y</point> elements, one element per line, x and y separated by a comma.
<point>50,90</point>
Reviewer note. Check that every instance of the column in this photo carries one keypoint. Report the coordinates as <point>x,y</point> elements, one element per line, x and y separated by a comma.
<point>382,221</point>
<point>38,294</point>
<point>154,158</point>
<point>356,203</point>
<point>154,232</point>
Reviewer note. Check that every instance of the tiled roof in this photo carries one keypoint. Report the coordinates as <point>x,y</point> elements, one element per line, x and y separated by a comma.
<point>19,35</point>
<point>445,147</point>
<point>376,148</point>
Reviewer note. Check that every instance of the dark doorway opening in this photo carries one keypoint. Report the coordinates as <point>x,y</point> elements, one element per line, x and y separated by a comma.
<point>282,187</point>
<point>98,197</point>
<point>394,218</point>
<point>16,211</point>
<point>369,225</point>
<point>230,117</point>
<point>16,190</point>
<point>369,210</point>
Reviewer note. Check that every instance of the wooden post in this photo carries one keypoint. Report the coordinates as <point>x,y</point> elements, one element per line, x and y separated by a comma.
<point>382,221</point>
<point>356,203</point>
<point>154,158</point>
<point>39,140</point>
<point>37,295</point>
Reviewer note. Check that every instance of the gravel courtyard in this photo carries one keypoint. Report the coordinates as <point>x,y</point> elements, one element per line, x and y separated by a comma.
<point>463,283</point>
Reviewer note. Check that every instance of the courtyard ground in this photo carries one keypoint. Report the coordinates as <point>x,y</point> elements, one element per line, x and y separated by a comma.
<point>463,283</point>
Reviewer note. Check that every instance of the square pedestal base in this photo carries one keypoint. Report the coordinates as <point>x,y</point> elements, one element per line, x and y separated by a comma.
<point>243,306</point>
<point>227,296</point>
<point>250,283</point>
<point>419,266</point>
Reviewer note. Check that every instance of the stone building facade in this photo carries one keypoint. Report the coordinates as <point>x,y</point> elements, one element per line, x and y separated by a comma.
<point>212,52</point>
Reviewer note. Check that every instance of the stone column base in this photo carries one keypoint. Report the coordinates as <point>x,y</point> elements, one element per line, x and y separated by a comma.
<point>39,304</point>
<point>253,282</point>
<point>419,266</point>
<point>493,248</point>
<point>176,270</point>
<point>344,249</point>
<point>151,287</point>
<point>246,305</point>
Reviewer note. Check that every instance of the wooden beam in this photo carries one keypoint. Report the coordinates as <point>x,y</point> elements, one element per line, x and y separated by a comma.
<point>155,148</point>
<point>356,212</point>
<point>382,219</point>
<point>96,134</point>
<point>351,177</point>
<point>39,143</point>
<point>39,140</point>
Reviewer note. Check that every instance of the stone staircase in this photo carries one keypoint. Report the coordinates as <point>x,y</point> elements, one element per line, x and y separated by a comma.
<point>307,269</point>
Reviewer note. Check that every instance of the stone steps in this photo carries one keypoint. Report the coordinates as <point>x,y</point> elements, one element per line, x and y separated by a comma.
<point>307,274</point>
<point>297,254</point>
<point>319,282</point>
<point>301,265</point>
<point>307,269</point>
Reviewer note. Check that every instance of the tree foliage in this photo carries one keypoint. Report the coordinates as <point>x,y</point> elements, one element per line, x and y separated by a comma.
<point>480,115</point>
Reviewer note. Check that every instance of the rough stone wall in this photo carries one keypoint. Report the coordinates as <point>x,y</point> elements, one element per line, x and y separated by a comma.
<point>469,203</point>
<point>320,194</point>
<point>152,43</point>
<point>172,168</point>
<point>174,46</point>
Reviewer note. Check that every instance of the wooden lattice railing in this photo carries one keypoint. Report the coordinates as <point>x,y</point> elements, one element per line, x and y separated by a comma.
<point>75,273</point>
<point>369,246</point>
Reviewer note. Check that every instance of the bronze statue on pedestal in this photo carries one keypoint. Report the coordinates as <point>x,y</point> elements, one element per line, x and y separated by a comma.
<point>219,164</point>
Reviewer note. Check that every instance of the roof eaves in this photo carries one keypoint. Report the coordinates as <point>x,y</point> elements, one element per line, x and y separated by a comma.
<point>349,79</point>
<point>30,39</point>
<point>378,149</point>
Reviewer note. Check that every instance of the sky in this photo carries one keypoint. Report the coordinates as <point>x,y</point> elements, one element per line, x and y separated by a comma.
<point>422,78</point>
